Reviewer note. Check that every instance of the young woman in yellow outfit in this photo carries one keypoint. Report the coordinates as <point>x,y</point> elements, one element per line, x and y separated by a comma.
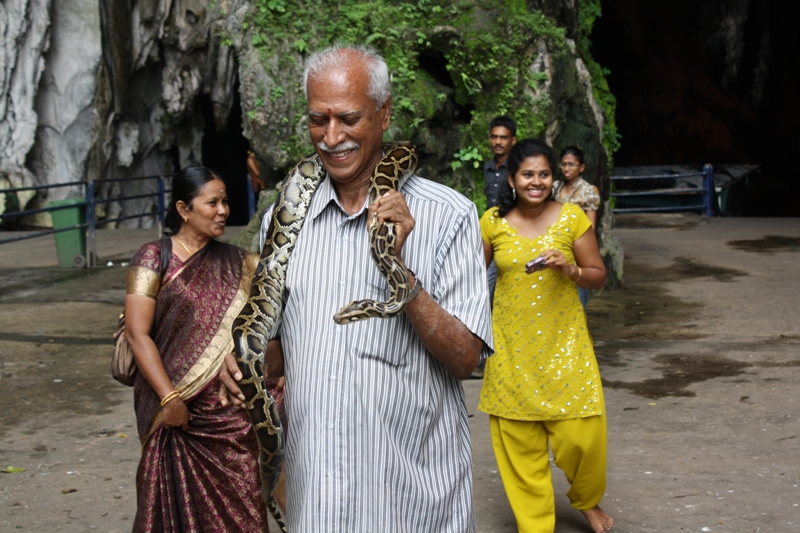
<point>542,385</point>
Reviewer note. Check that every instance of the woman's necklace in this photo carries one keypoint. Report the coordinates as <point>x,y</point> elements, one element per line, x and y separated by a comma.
<point>184,245</point>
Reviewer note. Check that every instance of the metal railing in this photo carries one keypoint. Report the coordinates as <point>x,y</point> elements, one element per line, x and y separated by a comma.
<point>707,190</point>
<point>89,204</point>
<point>10,214</point>
<point>92,202</point>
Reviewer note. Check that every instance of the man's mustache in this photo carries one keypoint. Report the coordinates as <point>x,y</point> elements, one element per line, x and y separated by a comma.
<point>341,147</point>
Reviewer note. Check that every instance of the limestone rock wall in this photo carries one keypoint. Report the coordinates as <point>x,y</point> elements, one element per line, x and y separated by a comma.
<point>66,107</point>
<point>25,38</point>
<point>106,89</point>
<point>157,72</point>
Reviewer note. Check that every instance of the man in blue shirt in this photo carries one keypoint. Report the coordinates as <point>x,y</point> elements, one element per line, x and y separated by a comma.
<point>502,136</point>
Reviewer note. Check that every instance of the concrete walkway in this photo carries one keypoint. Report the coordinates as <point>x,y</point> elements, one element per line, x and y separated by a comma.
<point>699,353</point>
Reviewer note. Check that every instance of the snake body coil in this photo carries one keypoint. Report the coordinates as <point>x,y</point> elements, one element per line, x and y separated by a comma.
<point>399,159</point>
<point>260,318</point>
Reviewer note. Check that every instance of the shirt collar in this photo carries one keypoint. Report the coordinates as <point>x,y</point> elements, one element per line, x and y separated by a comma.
<point>322,197</point>
<point>326,194</point>
<point>490,165</point>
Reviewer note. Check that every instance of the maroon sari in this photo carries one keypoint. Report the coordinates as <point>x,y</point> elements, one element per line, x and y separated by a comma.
<point>206,478</point>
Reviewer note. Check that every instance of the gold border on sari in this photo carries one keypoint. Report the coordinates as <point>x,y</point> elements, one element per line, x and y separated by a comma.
<point>143,281</point>
<point>207,366</point>
<point>174,275</point>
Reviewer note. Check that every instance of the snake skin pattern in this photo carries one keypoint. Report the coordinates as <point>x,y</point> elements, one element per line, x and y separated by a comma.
<point>400,159</point>
<point>260,318</point>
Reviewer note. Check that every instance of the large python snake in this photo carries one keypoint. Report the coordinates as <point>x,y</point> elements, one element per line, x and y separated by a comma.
<point>260,318</point>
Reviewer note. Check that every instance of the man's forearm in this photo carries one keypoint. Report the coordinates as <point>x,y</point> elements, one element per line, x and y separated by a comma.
<point>445,336</point>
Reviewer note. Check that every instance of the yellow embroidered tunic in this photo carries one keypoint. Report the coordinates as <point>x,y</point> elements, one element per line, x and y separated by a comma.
<point>543,367</point>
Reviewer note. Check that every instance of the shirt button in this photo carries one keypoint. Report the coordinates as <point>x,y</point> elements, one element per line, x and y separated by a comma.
<point>344,238</point>
<point>332,378</point>
<point>341,283</point>
<point>330,473</point>
<point>330,426</point>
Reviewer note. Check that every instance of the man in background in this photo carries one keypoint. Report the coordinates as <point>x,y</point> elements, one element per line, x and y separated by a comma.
<point>502,136</point>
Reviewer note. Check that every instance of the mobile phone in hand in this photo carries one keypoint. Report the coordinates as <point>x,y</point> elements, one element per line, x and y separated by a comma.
<point>535,265</point>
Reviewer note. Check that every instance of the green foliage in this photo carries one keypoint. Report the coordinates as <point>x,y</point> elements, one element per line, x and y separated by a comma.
<point>469,156</point>
<point>489,62</point>
<point>276,92</point>
<point>479,199</point>
<point>588,12</point>
<point>278,6</point>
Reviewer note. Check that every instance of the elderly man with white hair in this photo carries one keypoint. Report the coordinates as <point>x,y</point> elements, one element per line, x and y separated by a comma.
<point>378,437</point>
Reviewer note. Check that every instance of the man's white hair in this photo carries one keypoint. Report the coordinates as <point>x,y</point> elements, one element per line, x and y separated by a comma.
<point>336,56</point>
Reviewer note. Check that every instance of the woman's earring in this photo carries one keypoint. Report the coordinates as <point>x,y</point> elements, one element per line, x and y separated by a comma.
<point>514,194</point>
<point>186,219</point>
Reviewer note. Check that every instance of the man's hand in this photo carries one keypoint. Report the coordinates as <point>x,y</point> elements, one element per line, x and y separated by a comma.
<point>392,206</point>
<point>229,374</point>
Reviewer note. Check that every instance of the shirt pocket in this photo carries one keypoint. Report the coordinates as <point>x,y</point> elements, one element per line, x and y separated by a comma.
<point>384,339</point>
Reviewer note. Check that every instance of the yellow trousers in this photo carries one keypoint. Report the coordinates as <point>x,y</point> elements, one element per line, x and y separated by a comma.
<point>521,449</point>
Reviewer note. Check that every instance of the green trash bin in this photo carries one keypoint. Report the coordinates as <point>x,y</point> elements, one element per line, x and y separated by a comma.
<point>70,245</point>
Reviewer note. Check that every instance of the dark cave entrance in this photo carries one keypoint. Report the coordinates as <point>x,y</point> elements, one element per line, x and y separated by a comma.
<point>434,63</point>
<point>225,152</point>
<point>708,81</point>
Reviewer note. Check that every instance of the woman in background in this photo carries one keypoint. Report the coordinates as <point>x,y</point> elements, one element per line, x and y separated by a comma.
<point>542,385</point>
<point>574,189</point>
<point>199,466</point>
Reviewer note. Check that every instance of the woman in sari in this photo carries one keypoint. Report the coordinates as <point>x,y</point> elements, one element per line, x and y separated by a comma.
<point>199,465</point>
<point>542,385</point>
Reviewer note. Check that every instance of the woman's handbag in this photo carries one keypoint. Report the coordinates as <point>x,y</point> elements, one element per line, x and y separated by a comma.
<point>123,364</point>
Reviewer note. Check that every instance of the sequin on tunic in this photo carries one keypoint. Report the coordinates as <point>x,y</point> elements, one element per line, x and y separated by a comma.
<point>544,366</point>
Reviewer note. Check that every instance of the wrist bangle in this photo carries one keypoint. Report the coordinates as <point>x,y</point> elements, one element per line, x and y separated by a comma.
<point>417,286</point>
<point>169,397</point>
<point>580,273</point>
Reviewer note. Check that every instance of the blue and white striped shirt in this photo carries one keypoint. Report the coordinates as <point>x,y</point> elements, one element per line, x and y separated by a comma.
<point>378,437</point>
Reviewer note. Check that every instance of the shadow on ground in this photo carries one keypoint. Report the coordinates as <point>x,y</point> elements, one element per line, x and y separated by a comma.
<point>644,310</point>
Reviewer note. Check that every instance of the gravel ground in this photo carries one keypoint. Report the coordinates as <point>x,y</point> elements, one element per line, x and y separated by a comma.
<point>699,352</point>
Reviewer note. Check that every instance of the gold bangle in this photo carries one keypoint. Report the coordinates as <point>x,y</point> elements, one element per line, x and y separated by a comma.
<point>580,273</point>
<point>169,397</point>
